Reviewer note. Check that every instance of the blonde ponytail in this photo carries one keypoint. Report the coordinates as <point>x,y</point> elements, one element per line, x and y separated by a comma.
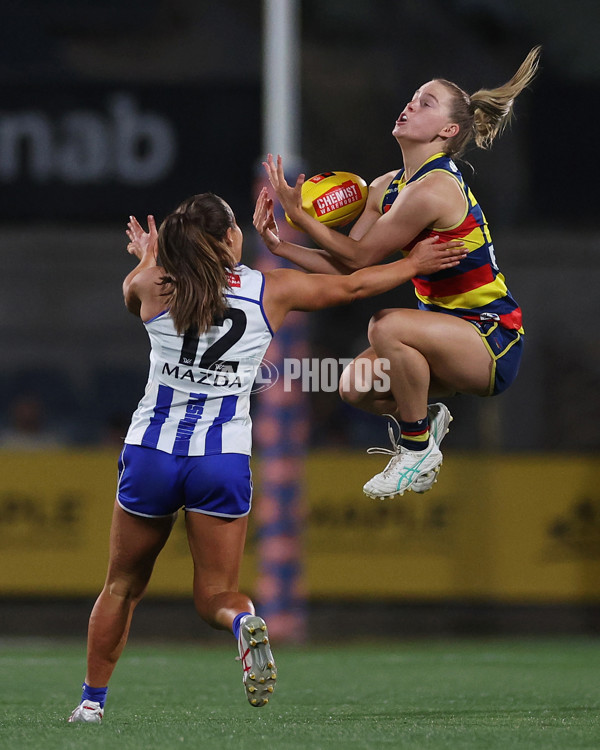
<point>484,115</point>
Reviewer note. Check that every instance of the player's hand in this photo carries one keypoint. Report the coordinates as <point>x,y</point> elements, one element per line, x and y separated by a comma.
<point>431,255</point>
<point>289,197</point>
<point>142,244</point>
<point>264,221</point>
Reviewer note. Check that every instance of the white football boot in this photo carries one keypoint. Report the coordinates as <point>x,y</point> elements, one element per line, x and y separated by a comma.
<point>403,470</point>
<point>439,421</point>
<point>89,712</point>
<point>258,665</point>
<point>404,467</point>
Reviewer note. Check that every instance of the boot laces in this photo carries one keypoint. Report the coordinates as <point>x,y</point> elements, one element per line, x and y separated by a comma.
<point>396,451</point>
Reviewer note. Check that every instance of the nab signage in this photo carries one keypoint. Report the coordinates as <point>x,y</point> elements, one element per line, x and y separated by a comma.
<point>102,153</point>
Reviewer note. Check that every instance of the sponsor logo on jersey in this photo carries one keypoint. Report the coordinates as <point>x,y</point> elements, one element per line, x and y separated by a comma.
<point>217,377</point>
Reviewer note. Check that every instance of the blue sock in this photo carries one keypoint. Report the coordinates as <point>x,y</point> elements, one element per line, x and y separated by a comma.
<point>236,623</point>
<point>415,435</point>
<point>94,694</point>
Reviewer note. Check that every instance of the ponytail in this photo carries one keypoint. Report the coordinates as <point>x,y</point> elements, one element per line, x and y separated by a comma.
<point>197,260</point>
<point>484,115</point>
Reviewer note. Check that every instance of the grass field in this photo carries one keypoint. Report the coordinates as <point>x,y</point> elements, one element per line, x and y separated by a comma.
<point>427,694</point>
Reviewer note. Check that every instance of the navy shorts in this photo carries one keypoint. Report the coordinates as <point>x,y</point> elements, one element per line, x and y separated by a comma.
<point>506,348</point>
<point>153,483</point>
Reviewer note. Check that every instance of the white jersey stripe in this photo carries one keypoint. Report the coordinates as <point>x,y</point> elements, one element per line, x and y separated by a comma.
<point>214,434</point>
<point>159,417</point>
<point>197,398</point>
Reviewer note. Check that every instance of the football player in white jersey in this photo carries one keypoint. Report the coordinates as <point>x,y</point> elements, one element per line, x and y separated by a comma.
<point>210,320</point>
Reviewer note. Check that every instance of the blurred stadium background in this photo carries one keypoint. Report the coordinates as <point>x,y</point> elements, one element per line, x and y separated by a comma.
<point>110,109</point>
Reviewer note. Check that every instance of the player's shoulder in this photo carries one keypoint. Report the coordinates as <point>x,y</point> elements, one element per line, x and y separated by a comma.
<point>274,277</point>
<point>378,187</point>
<point>244,271</point>
<point>435,184</point>
<point>145,289</point>
<point>280,283</point>
<point>150,274</point>
<point>245,282</point>
<point>384,179</point>
<point>148,281</point>
<point>244,276</point>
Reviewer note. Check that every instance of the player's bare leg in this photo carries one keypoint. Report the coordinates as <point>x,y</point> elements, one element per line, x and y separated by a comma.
<point>135,543</point>
<point>427,354</point>
<point>217,545</point>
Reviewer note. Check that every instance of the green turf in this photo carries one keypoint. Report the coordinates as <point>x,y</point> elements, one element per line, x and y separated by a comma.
<point>465,694</point>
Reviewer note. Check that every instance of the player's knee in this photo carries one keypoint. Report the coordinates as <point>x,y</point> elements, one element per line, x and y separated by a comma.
<point>385,327</point>
<point>347,386</point>
<point>350,396</point>
<point>209,604</point>
<point>201,605</point>
<point>204,601</point>
<point>128,581</point>
<point>127,588</point>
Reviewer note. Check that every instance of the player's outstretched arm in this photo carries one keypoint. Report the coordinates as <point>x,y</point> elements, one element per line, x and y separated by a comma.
<point>310,259</point>
<point>286,289</point>
<point>144,246</point>
<point>410,214</point>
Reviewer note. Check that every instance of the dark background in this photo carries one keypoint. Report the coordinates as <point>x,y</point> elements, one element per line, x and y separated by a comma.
<point>192,69</point>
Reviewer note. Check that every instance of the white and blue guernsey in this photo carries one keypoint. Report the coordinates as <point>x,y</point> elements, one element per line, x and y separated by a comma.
<point>197,398</point>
